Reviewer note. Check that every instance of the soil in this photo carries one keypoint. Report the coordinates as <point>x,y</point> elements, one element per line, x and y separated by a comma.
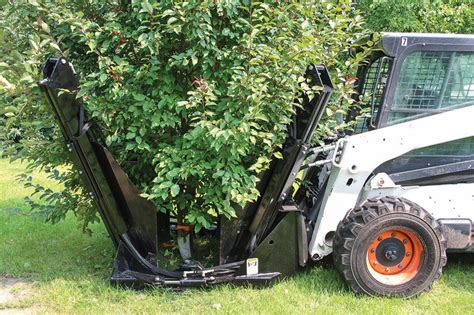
<point>12,291</point>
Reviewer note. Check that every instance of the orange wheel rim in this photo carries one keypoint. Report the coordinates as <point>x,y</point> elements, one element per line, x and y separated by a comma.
<point>394,256</point>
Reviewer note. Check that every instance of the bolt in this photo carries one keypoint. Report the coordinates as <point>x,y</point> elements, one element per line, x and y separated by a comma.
<point>80,172</point>
<point>387,269</point>
<point>400,266</point>
<point>310,67</point>
<point>63,61</point>
<point>393,235</point>
<point>372,250</point>
<point>381,182</point>
<point>408,254</point>
<point>391,255</point>
<point>380,238</point>
<point>375,263</point>
<point>405,241</point>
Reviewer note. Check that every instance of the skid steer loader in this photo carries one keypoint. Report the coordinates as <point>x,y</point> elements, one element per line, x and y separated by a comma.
<point>387,199</point>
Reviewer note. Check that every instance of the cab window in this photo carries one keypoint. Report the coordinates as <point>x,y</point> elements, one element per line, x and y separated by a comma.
<point>431,82</point>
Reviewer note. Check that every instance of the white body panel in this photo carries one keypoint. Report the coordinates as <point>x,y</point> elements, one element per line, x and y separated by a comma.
<point>454,201</point>
<point>363,153</point>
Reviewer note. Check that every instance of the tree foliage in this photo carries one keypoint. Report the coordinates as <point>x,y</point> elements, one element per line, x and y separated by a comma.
<point>429,16</point>
<point>193,96</point>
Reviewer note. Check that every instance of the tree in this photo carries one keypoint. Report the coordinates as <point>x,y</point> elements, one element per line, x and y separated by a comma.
<point>433,16</point>
<point>193,97</point>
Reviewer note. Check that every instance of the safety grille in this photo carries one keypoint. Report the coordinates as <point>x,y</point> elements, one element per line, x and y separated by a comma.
<point>372,90</point>
<point>375,81</point>
<point>434,81</point>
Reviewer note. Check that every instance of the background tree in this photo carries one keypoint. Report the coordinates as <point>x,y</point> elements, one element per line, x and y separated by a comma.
<point>429,16</point>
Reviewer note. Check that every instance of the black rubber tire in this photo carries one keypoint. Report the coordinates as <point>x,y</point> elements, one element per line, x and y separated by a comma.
<point>360,226</point>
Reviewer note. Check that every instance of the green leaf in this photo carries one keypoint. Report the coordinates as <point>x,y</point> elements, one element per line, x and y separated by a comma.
<point>103,77</point>
<point>194,60</point>
<point>139,97</point>
<point>54,46</point>
<point>147,6</point>
<point>44,26</point>
<point>171,20</point>
<point>174,190</point>
<point>278,155</point>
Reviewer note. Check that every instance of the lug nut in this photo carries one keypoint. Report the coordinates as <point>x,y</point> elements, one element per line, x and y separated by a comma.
<point>387,269</point>
<point>379,238</point>
<point>372,250</point>
<point>393,235</point>
<point>375,263</point>
<point>400,266</point>
<point>408,254</point>
<point>405,241</point>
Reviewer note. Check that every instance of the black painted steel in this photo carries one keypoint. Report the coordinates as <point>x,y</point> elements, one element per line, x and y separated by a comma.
<point>270,229</point>
<point>260,218</point>
<point>390,252</point>
<point>279,249</point>
<point>130,219</point>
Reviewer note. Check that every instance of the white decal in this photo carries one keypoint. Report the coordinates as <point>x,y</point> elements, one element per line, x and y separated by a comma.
<point>252,266</point>
<point>404,41</point>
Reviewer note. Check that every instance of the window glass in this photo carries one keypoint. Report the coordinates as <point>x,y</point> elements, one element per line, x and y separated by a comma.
<point>457,148</point>
<point>432,82</point>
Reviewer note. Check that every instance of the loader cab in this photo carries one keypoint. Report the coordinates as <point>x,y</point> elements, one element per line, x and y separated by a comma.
<point>410,76</point>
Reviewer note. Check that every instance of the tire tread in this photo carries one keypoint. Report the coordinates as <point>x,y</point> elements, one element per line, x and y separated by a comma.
<point>358,217</point>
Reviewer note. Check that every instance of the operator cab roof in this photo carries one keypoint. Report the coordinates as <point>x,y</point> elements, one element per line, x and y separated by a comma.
<point>394,44</point>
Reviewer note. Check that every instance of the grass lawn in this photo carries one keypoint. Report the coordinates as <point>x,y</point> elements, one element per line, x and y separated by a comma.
<point>61,270</point>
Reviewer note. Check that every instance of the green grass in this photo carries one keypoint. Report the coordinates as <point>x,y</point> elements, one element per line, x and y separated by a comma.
<point>69,271</point>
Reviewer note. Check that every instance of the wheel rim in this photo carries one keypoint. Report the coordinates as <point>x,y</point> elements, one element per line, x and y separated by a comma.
<point>394,256</point>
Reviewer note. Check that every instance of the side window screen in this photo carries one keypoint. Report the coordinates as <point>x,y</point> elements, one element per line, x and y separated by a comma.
<point>371,90</point>
<point>432,82</point>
